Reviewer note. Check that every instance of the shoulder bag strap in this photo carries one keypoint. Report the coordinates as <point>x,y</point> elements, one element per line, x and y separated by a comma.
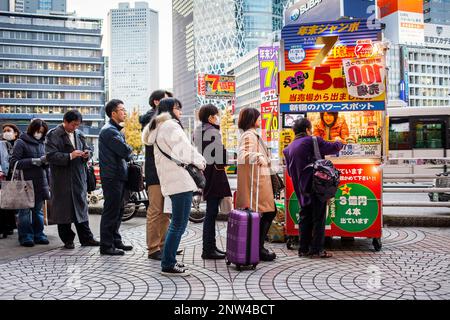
<point>166,155</point>
<point>316,148</point>
<point>261,143</point>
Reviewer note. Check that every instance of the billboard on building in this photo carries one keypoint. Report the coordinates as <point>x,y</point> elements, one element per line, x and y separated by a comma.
<point>404,21</point>
<point>213,86</point>
<point>314,80</point>
<point>437,36</point>
<point>307,11</point>
<point>268,57</point>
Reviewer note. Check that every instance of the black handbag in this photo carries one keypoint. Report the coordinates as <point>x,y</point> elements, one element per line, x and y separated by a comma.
<point>277,184</point>
<point>196,174</point>
<point>135,181</point>
<point>91,179</point>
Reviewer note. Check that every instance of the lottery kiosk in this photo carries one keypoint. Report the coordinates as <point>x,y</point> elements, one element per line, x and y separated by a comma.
<point>334,74</point>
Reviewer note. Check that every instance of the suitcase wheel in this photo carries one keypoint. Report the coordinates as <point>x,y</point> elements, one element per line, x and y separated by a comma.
<point>289,244</point>
<point>228,262</point>
<point>254,266</point>
<point>238,267</point>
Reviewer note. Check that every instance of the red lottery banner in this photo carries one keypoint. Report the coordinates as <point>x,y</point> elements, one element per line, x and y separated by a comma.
<point>356,209</point>
<point>269,120</point>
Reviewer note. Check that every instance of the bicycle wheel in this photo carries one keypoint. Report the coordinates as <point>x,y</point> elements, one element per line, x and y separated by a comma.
<point>196,215</point>
<point>131,207</point>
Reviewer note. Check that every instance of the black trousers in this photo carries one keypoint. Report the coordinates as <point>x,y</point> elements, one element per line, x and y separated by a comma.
<point>7,221</point>
<point>83,230</point>
<point>312,226</point>
<point>209,225</point>
<point>113,208</point>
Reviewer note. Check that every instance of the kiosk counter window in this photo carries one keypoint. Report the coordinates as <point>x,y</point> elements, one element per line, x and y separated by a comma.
<point>360,131</point>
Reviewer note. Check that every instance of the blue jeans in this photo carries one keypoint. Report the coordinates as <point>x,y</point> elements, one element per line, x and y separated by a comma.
<point>181,208</point>
<point>31,224</point>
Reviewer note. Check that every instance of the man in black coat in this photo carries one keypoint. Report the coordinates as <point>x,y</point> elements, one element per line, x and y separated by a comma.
<point>157,221</point>
<point>67,154</point>
<point>114,153</point>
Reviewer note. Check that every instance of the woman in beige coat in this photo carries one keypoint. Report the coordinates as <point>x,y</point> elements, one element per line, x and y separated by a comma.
<point>254,156</point>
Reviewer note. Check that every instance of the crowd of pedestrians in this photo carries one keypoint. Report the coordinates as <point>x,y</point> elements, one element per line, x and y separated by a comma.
<point>56,162</point>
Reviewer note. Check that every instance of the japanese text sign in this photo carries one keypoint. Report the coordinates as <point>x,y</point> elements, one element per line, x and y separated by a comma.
<point>365,77</point>
<point>268,70</point>
<point>315,80</point>
<point>322,89</point>
<point>213,86</point>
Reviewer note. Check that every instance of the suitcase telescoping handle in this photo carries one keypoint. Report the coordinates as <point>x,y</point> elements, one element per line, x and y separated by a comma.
<point>257,188</point>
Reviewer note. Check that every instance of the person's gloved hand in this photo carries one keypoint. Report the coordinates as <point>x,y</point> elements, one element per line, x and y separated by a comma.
<point>44,160</point>
<point>36,162</point>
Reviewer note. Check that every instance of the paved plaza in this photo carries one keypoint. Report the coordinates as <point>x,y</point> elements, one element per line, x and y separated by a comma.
<point>414,264</point>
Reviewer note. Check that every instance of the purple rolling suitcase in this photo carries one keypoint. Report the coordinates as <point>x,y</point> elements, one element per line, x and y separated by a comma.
<point>243,235</point>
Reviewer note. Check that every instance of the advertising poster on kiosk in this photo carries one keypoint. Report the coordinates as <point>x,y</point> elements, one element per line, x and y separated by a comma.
<point>268,57</point>
<point>335,75</point>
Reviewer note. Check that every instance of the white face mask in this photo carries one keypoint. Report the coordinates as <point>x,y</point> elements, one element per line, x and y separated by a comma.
<point>9,136</point>
<point>38,136</point>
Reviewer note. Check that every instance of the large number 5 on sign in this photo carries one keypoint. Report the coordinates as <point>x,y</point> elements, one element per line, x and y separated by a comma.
<point>271,70</point>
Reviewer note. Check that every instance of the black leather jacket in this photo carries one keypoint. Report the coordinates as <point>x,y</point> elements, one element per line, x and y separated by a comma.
<point>114,152</point>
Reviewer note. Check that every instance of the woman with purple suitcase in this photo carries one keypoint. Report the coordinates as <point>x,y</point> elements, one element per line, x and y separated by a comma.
<point>253,153</point>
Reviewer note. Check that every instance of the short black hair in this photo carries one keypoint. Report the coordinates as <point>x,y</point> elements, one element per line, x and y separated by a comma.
<point>111,106</point>
<point>206,111</point>
<point>73,115</point>
<point>36,125</point>
<point>158,95</point>
<point>247,118</point>
<point>301,125</point>
<point>166,105</point>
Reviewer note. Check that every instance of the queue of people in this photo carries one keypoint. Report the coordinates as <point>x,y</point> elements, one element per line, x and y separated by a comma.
<point>52,158</point>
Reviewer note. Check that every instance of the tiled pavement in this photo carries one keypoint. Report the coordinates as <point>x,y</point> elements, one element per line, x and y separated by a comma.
<point>414,264</point>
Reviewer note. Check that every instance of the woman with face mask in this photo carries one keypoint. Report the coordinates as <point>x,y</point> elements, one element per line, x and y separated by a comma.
<point>208,140</point>
<point>29,156</point>
<point>10,135</point>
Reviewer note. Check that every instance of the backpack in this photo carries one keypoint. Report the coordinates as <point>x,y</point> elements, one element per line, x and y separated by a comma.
<point>91,178</point>
<point>135,181</point>
<point>325,176</point>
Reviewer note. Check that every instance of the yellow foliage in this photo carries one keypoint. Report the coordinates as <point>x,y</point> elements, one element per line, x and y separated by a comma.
<point>133,132</point>
<point>228,128</point>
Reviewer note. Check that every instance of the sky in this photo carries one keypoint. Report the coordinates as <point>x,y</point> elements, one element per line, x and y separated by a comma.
<point>100,9</point>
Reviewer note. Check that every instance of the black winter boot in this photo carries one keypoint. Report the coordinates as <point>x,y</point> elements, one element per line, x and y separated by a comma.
<point>266,222</point>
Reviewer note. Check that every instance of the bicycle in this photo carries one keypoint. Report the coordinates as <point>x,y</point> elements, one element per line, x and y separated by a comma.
<point>136,200</point>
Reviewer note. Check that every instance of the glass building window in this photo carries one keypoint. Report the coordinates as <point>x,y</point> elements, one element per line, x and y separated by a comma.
<point>399,135</point>
<point>428,135</point>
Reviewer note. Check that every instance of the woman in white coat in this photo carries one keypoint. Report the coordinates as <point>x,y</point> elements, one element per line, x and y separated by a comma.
<point>166,133</point>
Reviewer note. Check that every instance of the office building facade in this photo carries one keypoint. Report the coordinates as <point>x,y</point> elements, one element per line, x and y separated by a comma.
<point>436,11</point>
<point>49,65</point>
<point>34,6</point>
<point>419,55</point>
<point>217,34</point>
<point>133,54</point>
